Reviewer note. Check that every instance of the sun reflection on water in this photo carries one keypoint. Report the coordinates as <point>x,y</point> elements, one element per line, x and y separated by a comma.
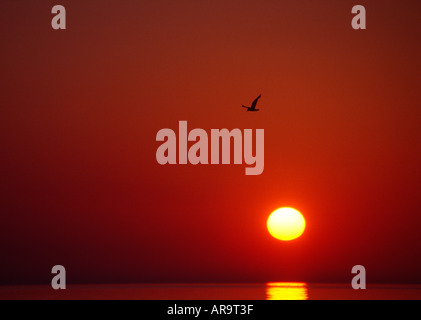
<point>286,291</point>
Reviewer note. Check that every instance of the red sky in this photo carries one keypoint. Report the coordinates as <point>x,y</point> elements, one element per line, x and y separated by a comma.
<point>80,109</point>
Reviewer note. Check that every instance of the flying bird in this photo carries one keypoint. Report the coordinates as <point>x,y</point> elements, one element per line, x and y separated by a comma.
<point>253,105</point>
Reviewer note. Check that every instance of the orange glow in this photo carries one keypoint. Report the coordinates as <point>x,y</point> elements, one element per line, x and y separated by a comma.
<point>286,224</point>
<point>286,291</point>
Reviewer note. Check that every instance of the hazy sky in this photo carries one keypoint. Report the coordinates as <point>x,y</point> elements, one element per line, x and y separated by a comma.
<point>80,109</point>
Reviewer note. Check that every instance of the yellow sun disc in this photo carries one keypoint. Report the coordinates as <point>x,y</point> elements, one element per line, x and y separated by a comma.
<point>286,224</point>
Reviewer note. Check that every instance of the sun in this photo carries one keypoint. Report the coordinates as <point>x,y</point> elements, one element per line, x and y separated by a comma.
<point>286,224</point>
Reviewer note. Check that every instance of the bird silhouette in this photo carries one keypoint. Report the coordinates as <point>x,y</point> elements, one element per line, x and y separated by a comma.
<point>253,105</point>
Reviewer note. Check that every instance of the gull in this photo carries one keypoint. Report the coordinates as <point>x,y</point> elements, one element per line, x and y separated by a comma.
<point>253,105</point>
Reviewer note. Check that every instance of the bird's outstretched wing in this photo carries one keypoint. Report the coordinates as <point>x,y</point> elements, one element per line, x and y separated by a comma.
<point>253,105</point>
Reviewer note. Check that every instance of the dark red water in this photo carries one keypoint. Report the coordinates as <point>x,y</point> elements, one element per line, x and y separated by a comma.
<point>238,291</point>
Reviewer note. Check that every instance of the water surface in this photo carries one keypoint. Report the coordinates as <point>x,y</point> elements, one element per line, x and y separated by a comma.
<point>206,291</point>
